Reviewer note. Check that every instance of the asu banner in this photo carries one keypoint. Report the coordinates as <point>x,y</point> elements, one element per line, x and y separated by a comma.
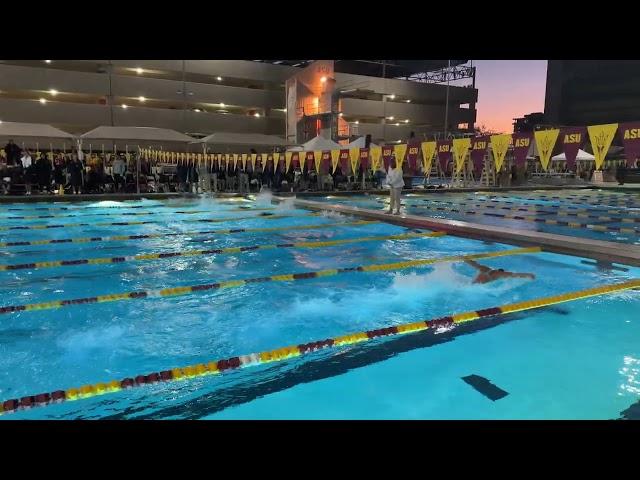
<point>444,153</point>
<point>375,153</point>
<point>630,133</point>
<point>399,151</point>
<point>521,146</point>
<point>354,156</point>
<point>413,150</point>
<point>545,141</point>
<point>324,164</point>
<point>460,148</point>
<point>387,154</point>
<point>572,139</point>
<point>601,137</point>
<point>344,161</point>
<point>335,158</point>
<point>428,149</point>
<point>499,147</point>
<point>364,158</point>
<point>297,161</point>
<point>479,147</point>
<point>310,160</point>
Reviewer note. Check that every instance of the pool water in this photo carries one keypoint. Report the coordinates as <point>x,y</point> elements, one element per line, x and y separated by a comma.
<point>573,360</point>
<point>604,216</point>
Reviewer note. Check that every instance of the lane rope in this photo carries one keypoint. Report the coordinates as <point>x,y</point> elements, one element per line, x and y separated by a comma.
<point>557,213</point>
<point>118,238</point>
<point>287,277</point>
<point>180,212</point>
<point>87,207</point>
<point>215,367</point>
<point>213,251</point>
<point>615,203</point>
<point>264,216</point>
<point>559,223</point>
<point>559,207</point>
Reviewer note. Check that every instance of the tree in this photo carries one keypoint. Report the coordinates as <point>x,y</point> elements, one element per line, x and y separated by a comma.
<point>482,130</point>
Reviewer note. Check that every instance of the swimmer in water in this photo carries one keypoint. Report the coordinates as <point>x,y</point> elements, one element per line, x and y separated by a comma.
<point>487,274</point>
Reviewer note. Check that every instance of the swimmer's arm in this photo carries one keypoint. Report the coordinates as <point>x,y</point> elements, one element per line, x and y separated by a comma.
<point>477,266</point>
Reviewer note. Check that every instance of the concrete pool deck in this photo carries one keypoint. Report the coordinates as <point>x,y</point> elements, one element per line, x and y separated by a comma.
<point>602,251</point>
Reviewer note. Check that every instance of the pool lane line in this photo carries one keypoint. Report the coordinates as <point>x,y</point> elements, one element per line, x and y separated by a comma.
<point>608,197</point>
<point>548,221</point>
<point>577,209</point>
<point>180,212</point>
<point>263,216</point>
<point>93,206</point>
<point>287,277</point>
<point>559,200</point>
<point>213,251</point>
<point>531,201</point>
<point>281,354</point>
<point>560,207</point>
<point>118,238</point>
<point>558,213</point>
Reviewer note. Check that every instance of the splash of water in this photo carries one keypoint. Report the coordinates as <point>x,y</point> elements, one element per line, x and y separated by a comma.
<point>333,215</point>
<point>286,204</point>
<point>79,345</point>
<point>264,197</point>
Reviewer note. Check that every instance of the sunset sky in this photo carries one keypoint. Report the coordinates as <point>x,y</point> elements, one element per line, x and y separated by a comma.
<point>508,89</point>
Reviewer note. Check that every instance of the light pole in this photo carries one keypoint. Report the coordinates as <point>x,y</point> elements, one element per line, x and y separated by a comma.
<point>446,107</point>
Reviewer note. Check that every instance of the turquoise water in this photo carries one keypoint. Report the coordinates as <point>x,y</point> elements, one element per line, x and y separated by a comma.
<point>490,209</point>
<point>575,360</point>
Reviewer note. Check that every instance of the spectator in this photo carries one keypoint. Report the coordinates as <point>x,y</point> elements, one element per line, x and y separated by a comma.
<point>43,172</point>
<point>380,175</point>
<point>58,171</point>
<point>27,165</point>
<point>118,169</point>
<point>181,173</point>
<point>12,151</point>
<point>75,169</point>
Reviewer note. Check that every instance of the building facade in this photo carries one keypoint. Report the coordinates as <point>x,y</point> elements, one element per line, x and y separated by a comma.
<point>200,97</point>
<point>584,92</point>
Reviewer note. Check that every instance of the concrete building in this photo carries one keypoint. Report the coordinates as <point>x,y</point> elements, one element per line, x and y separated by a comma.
<point>584,92</point>
<point>200,97</point>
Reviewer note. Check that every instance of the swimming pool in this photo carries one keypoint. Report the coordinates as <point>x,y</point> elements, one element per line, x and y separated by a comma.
<point>608,216</point>
<point>572,360</point>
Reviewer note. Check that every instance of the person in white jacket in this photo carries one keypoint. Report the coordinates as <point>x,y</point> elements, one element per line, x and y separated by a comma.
<point>395,182</point>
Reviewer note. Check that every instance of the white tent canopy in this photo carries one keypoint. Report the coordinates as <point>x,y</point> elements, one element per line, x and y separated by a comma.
<point>582,155</point>
<point>317,143</point>
<point>147,134</point>
<point>244,139</point>
<point>360,143</point>
<point>38,130</point>
<point>34,135</point>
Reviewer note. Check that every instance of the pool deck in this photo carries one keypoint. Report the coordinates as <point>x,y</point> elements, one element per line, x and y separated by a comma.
<point>607,252</point>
